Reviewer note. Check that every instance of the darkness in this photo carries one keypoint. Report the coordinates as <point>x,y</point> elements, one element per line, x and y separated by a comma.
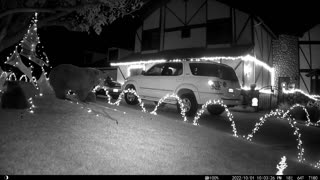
<point>62,46</point>
<point>283,17</point>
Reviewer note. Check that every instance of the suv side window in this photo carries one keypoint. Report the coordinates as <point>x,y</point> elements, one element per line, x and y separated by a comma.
<point>172,69</point>
<point>213,70</point>
<point>155,70</point>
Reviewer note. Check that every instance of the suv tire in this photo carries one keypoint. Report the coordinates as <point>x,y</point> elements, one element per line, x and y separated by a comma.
<point>191,103</point>
<point>215,109</point>
<point>130,97</point>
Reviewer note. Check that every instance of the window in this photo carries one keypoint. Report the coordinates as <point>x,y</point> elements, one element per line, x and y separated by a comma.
<point>150,39</point>
<point>219,31</point>
<point>155,70</point>
<point>213,70</point>
<point>172,69</point>
<point>165,69</point>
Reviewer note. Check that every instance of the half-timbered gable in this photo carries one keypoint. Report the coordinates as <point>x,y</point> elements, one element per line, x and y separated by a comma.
<point>309,54</point>
<point>184,29</point>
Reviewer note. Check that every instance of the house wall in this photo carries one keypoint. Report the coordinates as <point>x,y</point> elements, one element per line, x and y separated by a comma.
<point>264,52</point>
<point>243,28</point>
<point>309,55</point>
<point>137,42</point>
<point>176,15</point>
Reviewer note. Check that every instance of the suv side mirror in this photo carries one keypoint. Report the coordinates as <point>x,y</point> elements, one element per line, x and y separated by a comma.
<point>143,72</point>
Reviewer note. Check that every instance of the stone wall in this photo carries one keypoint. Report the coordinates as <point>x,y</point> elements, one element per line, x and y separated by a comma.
<point>286,58</point>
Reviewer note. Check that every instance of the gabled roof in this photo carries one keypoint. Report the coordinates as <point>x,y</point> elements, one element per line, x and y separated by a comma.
<point>281,17</point>
<point>189,53</point>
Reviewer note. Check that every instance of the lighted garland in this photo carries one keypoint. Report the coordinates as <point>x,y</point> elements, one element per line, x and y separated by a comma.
<point>23,77</point>
<point>279,113</point>
<point>183,113</point>
<point>28,49</point>
<point>106,91</point>
<point>90,110</point>
<point>313,97</point>
<point>219,102</point>
<point>308,123</point>
<point>117,102</point>
<point>30,100</point>
<point>282,166</point>
<point>12,74</point>
<point>317,165</point>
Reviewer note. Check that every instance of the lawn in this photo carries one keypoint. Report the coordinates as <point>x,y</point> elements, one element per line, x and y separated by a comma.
<point>61,137</point>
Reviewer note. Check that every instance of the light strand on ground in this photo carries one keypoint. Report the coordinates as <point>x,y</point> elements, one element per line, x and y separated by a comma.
<point>216,102</point>
<point>308,123</point>
<point>181,105</point>
<point>90,110</point>
<point>292,123</point>
<point>316,165</point>
<point>32,106</point>
<point>117,102</point>
<point>282,166</point>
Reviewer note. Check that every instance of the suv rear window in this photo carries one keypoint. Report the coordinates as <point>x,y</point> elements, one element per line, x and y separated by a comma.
<point>213,70</point>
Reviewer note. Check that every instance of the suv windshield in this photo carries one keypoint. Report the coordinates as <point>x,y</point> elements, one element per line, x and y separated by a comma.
<point>213,70</point>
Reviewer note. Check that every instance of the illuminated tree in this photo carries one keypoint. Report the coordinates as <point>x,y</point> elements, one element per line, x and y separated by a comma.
<point>74,15</point>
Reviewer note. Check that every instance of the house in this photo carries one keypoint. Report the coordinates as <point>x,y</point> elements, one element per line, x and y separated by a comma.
<point>309,60</point>
<point>215,30</point>
<point>184,29</point>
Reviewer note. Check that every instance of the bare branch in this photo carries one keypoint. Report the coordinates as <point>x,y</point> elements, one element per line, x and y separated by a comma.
<point>48,10</point>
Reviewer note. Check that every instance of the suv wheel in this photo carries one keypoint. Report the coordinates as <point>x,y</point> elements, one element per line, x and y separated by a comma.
<point>190,104</point>
<point>215,109</point>
<point>130,97</point>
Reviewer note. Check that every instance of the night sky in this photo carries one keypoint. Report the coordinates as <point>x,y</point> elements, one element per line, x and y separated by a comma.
<point>63,46</point>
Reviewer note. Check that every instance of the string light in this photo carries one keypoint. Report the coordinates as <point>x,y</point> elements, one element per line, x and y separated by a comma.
<point>247,58</point>
<point>292,123</point>
<point>137,66</point>
<point>138,62</point>
<point>219,102</point>
<point>23,77</point>
<point>308,123</point>
<point>30,100</point>
<point>28,47</point>
<point>316,165</point>
<point>282,166</point>
<point>183,113</point>
<point>132,91</point>
<point>12,74</point>
<point>292,91</point>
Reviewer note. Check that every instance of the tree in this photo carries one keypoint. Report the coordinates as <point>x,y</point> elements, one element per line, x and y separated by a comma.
<point>74,15</point>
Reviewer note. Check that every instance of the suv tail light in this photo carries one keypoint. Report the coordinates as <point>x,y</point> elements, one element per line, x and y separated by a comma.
<point>215,84</point>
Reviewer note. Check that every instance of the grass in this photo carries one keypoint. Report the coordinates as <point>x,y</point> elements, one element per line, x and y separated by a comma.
<point>63,138</point>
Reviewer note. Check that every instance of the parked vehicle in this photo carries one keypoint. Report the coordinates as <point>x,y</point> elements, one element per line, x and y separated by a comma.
<point>195,82</point>
<point>113,87</point>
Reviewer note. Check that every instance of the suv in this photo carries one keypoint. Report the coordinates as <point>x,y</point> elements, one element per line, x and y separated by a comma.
<point>113,88</point>
<point>195,82</point>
